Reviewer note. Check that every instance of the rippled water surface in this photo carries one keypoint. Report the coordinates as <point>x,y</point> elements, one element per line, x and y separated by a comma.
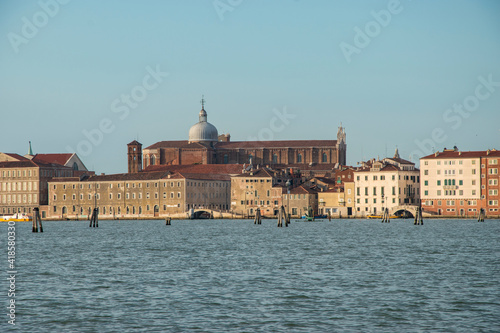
<point>234,276</point>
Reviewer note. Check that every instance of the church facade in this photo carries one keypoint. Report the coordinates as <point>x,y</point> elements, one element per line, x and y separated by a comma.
<point>206,146</point>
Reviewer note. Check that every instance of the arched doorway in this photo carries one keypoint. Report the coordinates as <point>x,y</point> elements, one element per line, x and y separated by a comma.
<point>156,210</point>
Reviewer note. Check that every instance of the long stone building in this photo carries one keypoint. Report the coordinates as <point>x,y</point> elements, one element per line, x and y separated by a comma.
<point>138,195</point>
<point>206,146</point>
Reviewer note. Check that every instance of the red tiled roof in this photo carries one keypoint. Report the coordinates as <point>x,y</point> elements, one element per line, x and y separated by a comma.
<point>231,169</point>
<point>167,144</point>
<point>251,144</point>
<point>399,160</point>
<point>30,164</point>
<point>17,156</point>
<point>258,173</point>
<point>61,159</point>
<point>302,190</point>
<point>135,142</point>
<point>277,144</point>
<point>128,176</point>
<point>205,176</point>
<point>463,154</point>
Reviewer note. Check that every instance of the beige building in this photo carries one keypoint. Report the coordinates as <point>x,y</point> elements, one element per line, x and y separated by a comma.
<point>138,195</point>
<point>300,200</point>
<point>23,184</point>
<point>338,201</point>
<point>388,183</point>
<point>259,188</point>
<point>457,183</point>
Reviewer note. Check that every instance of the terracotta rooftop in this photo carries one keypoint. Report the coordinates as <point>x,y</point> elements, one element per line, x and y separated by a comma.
<point>30,164</point>
<point>302,190</point>
<point>145,176</point>
<point>277,144</point>
<point>61,159</point>
<point>231,169</point>
<point>249,144</point>
<point>17,156</point>
<point>462,154</point>
<point>178,144</point>
<point>258,173</point>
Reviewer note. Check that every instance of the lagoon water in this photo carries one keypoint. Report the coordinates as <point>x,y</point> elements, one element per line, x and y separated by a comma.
<point>234,276</point>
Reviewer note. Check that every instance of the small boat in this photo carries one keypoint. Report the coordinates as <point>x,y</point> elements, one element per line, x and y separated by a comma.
<point>372,217</point>
<point>18,217</point>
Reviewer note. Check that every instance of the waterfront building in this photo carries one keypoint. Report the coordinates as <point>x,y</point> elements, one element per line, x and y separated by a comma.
<point>24,179</point>
<point>300,200</point>
<point>206,146</point>
<point>386,183</point>
<point>260,188</point>
<point>23,184</point>
<point>138,195</point>
<point>460,183</point>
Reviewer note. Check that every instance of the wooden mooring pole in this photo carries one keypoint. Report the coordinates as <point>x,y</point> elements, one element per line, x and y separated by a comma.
<point>418,217</point>
<point>481,215</point>
<point>94,219</point>
<point>37,221</point>
<point>258,217</point>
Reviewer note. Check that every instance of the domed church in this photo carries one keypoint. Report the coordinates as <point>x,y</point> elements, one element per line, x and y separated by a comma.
<point>206,146</point>
<point>203,131</point>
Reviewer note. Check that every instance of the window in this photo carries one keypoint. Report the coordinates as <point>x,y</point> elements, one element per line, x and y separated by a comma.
<point>493,171</point>
<point>493,161</point>
<point>275,158</point>
<point>426,172</point>
<point>426,182</point>
<point>374,190</point>
<point>439,183</point>
<point>299,158</point>
<point>473,171</point>
<point>426,192</point>
<point>226,159</point>
<point>324,158</point>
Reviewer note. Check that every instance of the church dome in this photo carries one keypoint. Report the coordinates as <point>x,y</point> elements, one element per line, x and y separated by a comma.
<point>203,131</point>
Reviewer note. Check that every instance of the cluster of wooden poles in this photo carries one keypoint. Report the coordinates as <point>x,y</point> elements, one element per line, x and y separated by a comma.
<point>283,218</point>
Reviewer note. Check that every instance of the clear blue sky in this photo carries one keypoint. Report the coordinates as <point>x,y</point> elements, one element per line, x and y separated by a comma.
<point>249,58</point>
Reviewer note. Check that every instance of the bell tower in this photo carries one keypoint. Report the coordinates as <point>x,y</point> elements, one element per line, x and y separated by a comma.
<point>134,152</point>
<point>341,146</point>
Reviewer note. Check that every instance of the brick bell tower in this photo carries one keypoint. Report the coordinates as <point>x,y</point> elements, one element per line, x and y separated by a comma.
<point>134,152</point>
